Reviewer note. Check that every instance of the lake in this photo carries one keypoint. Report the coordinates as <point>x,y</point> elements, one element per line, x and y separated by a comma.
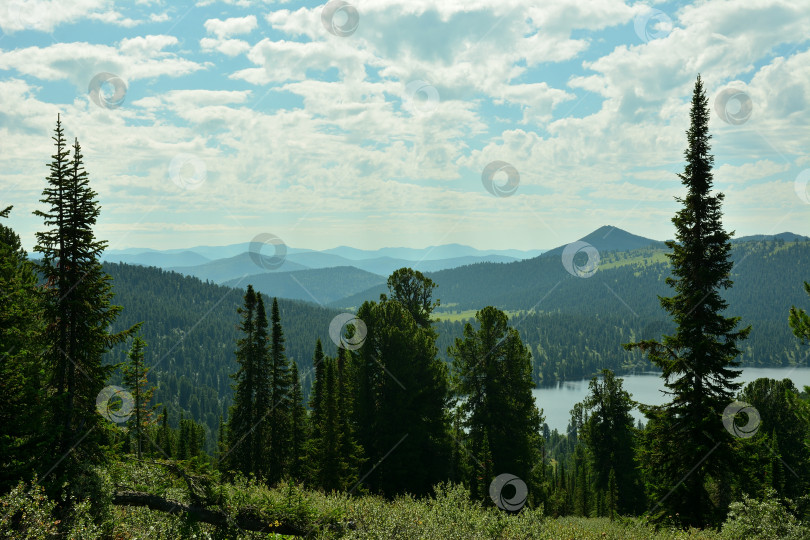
<point>558,401</point>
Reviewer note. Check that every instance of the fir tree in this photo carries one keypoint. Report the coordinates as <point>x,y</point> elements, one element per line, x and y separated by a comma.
<point>278,415</point>
<point>610,437</point>
<point>612,495</point>
<point>330,435</point>
<point>78,306</point>
<point>222,446</point>
<point>243,414</point>
<point>135,380</point>
<point>182,439</point>
<point>298,426</point>
<point>400,401</point>
<point>22,407</point>
<point>492,370</point>
<point>582,488</point>
<point>314,447</point>
<point>349,449</point>
<point>698,361</point>
<point>262,398</point>
<point>165,441</point>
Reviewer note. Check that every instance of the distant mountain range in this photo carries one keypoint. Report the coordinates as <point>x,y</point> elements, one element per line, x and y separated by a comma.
<point>492,284</point>
<point>231,263</point>
<point>345,277</point>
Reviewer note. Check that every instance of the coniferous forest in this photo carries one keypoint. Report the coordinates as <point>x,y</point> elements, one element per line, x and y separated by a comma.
<point>266,420</point>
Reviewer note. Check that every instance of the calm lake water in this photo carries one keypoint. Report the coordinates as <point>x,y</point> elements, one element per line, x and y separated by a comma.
<point>558,401</point>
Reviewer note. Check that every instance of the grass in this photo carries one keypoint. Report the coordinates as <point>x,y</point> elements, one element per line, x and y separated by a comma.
<point>449,514</point>
<point>467,314</point>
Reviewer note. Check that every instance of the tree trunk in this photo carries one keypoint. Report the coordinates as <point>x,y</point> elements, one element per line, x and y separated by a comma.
<point>245,518</point>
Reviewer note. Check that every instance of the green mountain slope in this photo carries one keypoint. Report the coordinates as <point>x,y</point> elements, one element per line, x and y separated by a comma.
<point>576,326</point>
<point>322,285</point>
<point>233,268</point>
<point>190,328</point>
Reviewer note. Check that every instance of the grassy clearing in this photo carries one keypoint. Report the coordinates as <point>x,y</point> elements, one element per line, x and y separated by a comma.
<point>468,314</point>
<point>615,260</point>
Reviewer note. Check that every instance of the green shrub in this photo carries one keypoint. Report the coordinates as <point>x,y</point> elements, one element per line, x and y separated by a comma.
<point>27,513</point>
<point>764,519</point>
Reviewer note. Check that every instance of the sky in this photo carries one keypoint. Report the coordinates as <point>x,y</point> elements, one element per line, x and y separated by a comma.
<point>509,124</point>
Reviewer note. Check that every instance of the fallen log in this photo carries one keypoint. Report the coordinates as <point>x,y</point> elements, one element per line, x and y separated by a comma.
<point>246,519</point>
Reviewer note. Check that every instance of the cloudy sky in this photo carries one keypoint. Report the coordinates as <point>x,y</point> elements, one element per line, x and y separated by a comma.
<point>378,122</point>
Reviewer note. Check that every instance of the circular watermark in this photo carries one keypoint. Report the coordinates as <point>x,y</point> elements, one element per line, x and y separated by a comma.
<point>263,261</point>
<point>352,341</point>
<point>340,18</point>
<point>733,106</point>
<point>107,90</point>
<point>420,97</point>
<point>586,270</point>
<point>512,179</point>
<point>508,492</point>
<point>800,185</point>
<point>652,24</point>
<point>751,425</point>
<point>187,171</point>
<point>107,404</point>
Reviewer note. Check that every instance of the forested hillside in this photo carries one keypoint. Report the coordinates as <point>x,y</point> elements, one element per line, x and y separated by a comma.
<point>191,328</point>
<point>575,331</point>
<point>578,325</point>
<point>320,285</point>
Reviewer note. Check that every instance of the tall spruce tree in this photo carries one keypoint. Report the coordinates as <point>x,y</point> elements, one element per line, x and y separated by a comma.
<point>329,477</point>
<point>165,439</point>
<point>78,306</point>
<point>243,414</point>
<point>22,408</point>
<point>400,401</point>
<point>350,450</point>
<point>262,398</point>
<point>688,444</point>
<point>314,446</point>
<point>298,426</point>
<point>135,380</point>
<point>610,436</point>
<point>492,371</point>
<point>279,413</point>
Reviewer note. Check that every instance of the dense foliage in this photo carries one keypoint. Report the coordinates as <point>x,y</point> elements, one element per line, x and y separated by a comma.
<point>190,327</point>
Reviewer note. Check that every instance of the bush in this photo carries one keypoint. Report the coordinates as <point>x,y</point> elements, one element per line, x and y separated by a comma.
<point>86,502</point>
<point>27,513</point>
<point>765,519</point>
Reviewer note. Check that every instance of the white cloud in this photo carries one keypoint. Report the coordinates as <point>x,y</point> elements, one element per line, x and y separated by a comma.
<point>730,174</point>
<point>135,58</point>
<point>323,149</point>
<point>114,17</point>
<point>45,15</point>
<point>228,47</point>
<point>231,27</point>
